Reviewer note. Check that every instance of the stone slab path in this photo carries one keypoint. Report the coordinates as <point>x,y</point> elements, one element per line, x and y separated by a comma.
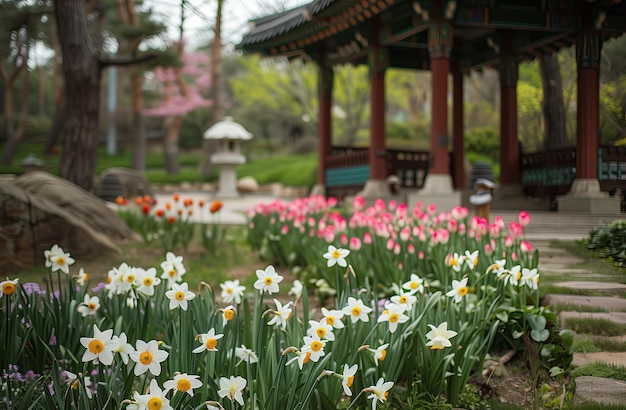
<point>603,301</point>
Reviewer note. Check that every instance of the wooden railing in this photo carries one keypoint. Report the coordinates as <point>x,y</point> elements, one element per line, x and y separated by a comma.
<point>347,169</point>
<point>550,174</point>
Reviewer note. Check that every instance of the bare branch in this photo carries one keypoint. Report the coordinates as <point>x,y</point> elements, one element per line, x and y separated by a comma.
<point>105,62</point>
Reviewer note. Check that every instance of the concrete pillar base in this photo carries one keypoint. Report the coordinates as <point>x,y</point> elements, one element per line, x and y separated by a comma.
<point>437,191</point>
<point>375,188</point>
<point>585,196</point>
<point>228,182</point>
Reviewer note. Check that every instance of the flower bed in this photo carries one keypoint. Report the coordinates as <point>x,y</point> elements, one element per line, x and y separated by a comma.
<point>414,302</point>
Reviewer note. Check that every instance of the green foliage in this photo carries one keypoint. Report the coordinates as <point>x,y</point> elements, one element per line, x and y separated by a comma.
<point>600,369</point>
<point>483,141</point>
<point>291,170</point>
<point>597,326</point>
<point>609,242</point>
<point>398,130</point>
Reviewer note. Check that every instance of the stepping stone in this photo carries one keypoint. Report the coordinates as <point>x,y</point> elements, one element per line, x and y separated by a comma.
<point>615,317</point>
<point>601,390</point>
<point>606,302</point>
<point>591,285</point>
<point>612,358</point>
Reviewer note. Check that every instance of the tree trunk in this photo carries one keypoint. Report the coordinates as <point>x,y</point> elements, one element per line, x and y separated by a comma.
<point>9,128</point>
<point>553,106</point>
<point>217,112</point>
<point>24,92</point>
<point>81,70</point>
<point>172,166</point>
<point>139,142</point>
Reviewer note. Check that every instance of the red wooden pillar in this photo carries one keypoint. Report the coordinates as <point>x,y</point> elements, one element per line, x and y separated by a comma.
<point>439,47</point>
<point>378,63</point>
<point>457,129</point>
<point>325,89</point>
<point>587,124</point>
<point>510,173</point>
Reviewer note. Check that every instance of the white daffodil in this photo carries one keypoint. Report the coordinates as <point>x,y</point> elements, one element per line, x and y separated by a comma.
<point>379,353</point>
<point>315,346</point>
<point>148,357</point>
<point>333,318</point>
<point>232,292</point>
<point>146,281</point>
<point>439,336</point>
<point>268,280</point>
<point>245,355</point>
<point>296,289</point>
<point>232,388</point>
<point>512,275</point>
<point>99,347</point>
<point>182,382</point>
<point>356,310</point>
<point>459,289</point>
<point>407,300</point>
<point>209,341</point>
<point>321,329</point>
<point>393,314</point>
<point>530,277</point>
<point>8,286</point>
<point>61,261</point>
<point>336,256</point>
<point>348,378</point>
<point>154,400</point>
<point>497,267</point>
<point>55,251</point>
<point>228,314</point>
<point>75,381</point>
<point>379,392</point>
<point>173,269</point>
<point>281,314</point>
<point>122,346</point>
<point>82,277</point>
<point>89,306</point>
<point>415,284</point>
<point>455,261</point>
<point>124,279</point>
<point>179,295</point>
<point>471,259</point>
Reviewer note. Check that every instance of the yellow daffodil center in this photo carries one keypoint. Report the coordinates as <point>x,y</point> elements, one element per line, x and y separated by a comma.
<point>321,332</point>
<point>60,261</point>
<point>393,318</point>
<point>519,275</point>
<point>75,384</point>
<point>356,311</point>
<point>155,403</point>
<point>229,314</point>
<point>179,295</point>
<point>229,290</point>
<point>95,346</point>
<point>8,288</point>
<point>436,347</point>
<point>147,281</point>
<point>316,346</point>
<point>307,356</point>
<point>85,276</point>
<point>462,290</point>
<point>402,299</point>
<point>146,358</point>
<point>453,262</point>
<point>211,343</point>
<point>383,354</point>
<point>537,279</point>
<point>130,278</point>
<point>268,280</point>
<point>475,262</point>
<point>108,280</point>
<point>330,320</point>
<point>386,312</point>
<point>336,254</point>
<point>350,380</point>
<point>414,285</point>
<point>92,306</point>
<point>183,385</point>
<point>172,273</point>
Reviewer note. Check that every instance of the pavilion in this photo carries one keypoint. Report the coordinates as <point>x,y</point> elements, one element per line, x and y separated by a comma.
<point>448,38</point>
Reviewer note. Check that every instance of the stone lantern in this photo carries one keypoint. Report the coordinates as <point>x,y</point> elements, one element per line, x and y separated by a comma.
<point>229,135</point>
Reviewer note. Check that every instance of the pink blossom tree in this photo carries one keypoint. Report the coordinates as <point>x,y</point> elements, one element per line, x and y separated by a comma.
<point>183,89</point>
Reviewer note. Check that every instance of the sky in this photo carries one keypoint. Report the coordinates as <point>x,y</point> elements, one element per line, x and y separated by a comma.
<point>200,16</point>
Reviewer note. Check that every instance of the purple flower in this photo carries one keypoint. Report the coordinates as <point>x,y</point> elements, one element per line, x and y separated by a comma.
<point>31,287</point>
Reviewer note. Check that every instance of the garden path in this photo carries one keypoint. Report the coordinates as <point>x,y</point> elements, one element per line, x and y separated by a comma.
<point>581,287</point>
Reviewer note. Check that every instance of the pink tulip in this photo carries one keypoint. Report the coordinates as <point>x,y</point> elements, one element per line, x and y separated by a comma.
<point>396,249</point>
<point>508,241</point>
<point>343,239</point>
<point>355,243</point>
<point>420,255</point>
<point>367,238</point>
<point>390,244</point>
<point>516,230</point>
<point>358,203</point>
<point>410,248</point>
<point>499,221</point>
<point>525,247</point>
<point>453,225</point>
<point>488,249</point>
<point>405,234</point>
<point>523,218</point>
<point>284,229</point>
<point>494,230</point>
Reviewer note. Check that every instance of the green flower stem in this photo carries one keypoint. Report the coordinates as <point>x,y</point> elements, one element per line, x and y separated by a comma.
<point>278,379</point>
<point>355,400</point>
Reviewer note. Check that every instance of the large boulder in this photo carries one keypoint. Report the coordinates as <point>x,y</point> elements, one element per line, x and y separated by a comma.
<point>38,210</point>
<point>124,182</point>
